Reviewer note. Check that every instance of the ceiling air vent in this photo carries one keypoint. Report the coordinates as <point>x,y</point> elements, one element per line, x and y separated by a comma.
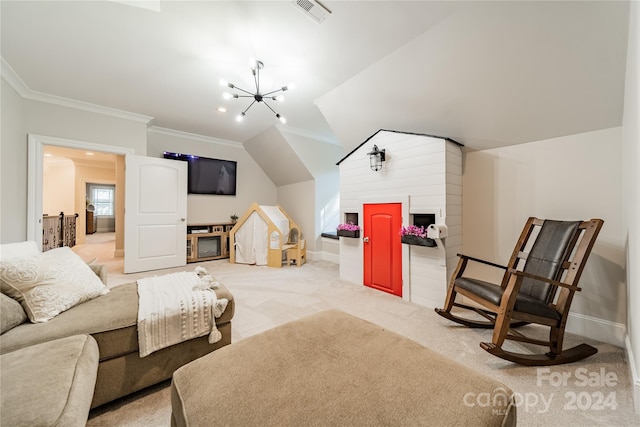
<point>312,9</point>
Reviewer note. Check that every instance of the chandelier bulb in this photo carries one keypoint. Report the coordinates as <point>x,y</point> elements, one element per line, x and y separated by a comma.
<point>240,117</point>
<point>282,119</point>
<point>223,82</point>
<point>227,95</point>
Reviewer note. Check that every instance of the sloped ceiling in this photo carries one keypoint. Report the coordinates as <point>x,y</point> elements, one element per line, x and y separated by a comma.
<point>277,158</point>
<point>494,74</point>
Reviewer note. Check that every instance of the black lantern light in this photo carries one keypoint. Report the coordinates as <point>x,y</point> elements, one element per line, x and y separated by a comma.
<point>376,157</point>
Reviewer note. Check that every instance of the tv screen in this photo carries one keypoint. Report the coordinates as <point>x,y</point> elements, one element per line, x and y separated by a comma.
<point>208,176</point>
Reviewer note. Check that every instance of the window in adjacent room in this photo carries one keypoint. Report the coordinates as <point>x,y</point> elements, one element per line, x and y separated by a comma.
<point>102,197</point>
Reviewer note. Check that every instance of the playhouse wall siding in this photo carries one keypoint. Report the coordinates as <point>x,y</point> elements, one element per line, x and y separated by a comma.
<point>425,174</point>
<point>453,206</point>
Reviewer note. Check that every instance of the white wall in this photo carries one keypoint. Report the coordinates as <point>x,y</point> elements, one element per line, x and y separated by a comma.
<point>59,177</point>
<point>572,177</point>
<point>631,195</point>
<point>253,185</point>
<point>13,167</point>
<point>48,119</point>
<point>298,201</point>
<point>330,250</point>
<point>320,159</point>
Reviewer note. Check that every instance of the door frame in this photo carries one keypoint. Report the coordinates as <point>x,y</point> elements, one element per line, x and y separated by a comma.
<point>403,199</point>
<point>35,174</point>
<point>375,255</point>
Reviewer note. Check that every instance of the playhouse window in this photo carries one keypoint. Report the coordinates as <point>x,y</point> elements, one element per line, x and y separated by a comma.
<point>424,220</point>
<point>351,217</point>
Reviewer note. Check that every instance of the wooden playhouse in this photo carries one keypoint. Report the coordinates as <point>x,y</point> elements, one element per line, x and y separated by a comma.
<point>266,235</point>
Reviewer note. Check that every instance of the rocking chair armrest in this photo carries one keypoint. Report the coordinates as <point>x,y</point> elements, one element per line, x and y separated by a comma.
<point>481,261</point>
<point>544,279</point>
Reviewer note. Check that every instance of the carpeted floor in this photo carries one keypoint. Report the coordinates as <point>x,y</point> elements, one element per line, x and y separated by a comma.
<point>593,392</point>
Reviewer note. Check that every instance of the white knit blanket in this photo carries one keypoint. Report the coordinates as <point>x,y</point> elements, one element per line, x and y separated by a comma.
<point>177,307</point>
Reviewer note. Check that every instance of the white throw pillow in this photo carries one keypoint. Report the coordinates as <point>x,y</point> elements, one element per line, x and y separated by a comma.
<point>49,283</point>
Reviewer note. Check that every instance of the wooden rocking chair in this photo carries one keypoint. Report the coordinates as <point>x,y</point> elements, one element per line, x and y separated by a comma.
<point>537,288</point>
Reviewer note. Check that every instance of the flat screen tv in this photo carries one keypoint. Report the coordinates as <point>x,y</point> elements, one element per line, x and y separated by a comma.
<point>208,176</point>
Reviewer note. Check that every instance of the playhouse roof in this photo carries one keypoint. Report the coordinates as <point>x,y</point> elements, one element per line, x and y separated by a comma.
<point>396,131</point>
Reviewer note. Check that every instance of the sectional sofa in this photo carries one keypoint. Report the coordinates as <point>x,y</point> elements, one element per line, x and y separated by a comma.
<point>107,322</point>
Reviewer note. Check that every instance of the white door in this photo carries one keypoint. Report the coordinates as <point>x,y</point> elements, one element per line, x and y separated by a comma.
<point>156,214</point>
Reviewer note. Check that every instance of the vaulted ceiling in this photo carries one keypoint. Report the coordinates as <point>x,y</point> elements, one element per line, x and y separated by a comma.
<point>486,74</point>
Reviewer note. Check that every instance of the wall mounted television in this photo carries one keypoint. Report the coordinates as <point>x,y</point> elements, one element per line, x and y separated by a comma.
<point>208,176</point>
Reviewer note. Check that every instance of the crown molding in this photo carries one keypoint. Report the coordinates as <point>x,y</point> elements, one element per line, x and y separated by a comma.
<point>13,79</point>
<point>193,136</point>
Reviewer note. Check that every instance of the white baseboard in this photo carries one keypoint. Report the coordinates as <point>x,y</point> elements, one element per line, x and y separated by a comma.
<point>324,256</point>
<point>597,329</point>
<point>635,380</point>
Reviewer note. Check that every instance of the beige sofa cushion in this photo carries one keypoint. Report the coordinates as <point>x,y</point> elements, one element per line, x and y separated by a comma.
<point>11,313</point>
<point>49,384</point>
<point>49,283</point>
<point>111,319</point>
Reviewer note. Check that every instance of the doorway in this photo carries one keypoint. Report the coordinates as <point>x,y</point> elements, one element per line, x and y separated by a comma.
<point>82,182</point>
<point>382,247</point>
<point>38,146</point>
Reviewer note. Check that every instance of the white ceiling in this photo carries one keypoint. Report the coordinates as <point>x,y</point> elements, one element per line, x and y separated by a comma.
<point>487,74</point>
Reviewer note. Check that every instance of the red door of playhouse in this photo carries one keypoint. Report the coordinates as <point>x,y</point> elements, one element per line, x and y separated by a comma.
<point>382,247</point>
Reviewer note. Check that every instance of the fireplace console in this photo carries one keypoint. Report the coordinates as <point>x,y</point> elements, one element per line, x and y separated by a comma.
<point>206,242</point>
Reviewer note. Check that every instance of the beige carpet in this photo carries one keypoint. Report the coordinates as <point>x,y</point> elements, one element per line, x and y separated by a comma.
<point>594,392</point>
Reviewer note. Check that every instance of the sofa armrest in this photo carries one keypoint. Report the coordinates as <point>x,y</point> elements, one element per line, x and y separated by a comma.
<point>101,271</point>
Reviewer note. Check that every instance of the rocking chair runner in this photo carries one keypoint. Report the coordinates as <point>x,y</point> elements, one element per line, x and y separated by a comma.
<point>537,287</point>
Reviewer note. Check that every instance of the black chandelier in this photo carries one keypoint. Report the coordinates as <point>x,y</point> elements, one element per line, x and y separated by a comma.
<point>256,66</point>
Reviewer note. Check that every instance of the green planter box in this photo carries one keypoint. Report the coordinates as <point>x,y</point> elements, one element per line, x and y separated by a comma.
<point>419,241</point>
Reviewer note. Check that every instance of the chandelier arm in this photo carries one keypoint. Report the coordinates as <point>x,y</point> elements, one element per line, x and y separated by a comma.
<point>244,112</point>
<point>256,79</point>
<point>273,91</point>
<point>242,90</point>
<point>268,106</point>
